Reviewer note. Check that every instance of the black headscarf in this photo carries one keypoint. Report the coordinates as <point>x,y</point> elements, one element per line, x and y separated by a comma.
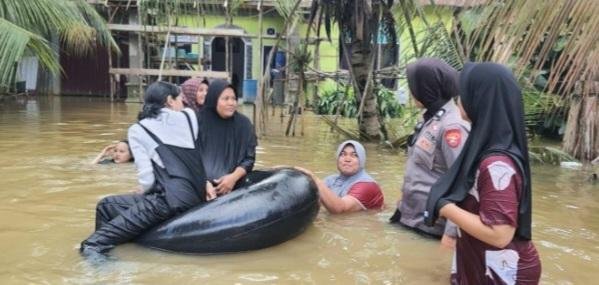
<point>492,100</point>
<point>225,143</point>
<point>432,82</point>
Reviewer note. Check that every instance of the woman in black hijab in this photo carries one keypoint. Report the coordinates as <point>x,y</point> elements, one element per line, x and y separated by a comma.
<point>487,191</point>
<point>227,139</point>
<point>436,142</point>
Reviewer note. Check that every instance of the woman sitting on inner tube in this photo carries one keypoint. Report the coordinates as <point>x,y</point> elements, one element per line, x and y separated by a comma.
<point>170,172</point>
<point>227,140</point>
<point>195,90</point>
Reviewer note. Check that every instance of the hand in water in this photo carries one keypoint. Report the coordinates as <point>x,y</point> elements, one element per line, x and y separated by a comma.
<point>447,243</point>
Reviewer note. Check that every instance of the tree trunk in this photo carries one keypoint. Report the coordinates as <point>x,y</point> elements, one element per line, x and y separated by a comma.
<point>368,123</point>
<point>581,139</point>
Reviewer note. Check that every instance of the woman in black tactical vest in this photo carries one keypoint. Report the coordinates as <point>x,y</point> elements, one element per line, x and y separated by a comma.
<point>170,172</point>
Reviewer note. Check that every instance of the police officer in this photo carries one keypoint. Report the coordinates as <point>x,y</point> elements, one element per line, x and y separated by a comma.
<point>435,144</point>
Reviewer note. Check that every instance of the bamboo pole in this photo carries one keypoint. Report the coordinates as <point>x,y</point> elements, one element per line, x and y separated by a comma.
<point>261,99</point>
<point>165,48</point>
<point>110,76</point>
<point>141,60</point>
<point>261,55</point>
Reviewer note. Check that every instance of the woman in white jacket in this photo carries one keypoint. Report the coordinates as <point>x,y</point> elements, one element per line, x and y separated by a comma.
<point>169,167</point>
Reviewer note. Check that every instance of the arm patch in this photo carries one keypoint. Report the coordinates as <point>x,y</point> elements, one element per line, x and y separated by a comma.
<point>453,137</point>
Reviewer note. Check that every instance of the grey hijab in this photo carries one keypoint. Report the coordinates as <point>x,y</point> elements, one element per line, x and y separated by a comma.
<point>339,183</point>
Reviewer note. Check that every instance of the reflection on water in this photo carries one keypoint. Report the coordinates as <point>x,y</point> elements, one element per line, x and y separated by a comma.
<point>49,192</point>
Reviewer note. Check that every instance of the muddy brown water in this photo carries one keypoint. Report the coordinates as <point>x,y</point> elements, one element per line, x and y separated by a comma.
<point>49,191</point>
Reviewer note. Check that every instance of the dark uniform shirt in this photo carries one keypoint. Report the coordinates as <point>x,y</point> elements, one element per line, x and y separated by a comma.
<point>436,147</point>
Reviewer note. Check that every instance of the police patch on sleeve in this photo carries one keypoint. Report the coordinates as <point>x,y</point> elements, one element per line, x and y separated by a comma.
<point>501,174</point>
<point>425,144</point>
<point>453,137</point>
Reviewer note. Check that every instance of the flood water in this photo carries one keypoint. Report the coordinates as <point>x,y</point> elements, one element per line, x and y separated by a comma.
<point>49,192</point>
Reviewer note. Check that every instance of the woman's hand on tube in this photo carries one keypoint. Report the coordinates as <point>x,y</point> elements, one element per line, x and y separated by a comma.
<point>281,166</point>
<point>305,171</point>
<point>210,191</point>
<point>137,189</point>
<point>225,184</point>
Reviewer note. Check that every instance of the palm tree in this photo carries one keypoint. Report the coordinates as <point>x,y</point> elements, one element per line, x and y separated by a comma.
<point>360,22</point>
<point>28,27</point>
<point>553,46</point>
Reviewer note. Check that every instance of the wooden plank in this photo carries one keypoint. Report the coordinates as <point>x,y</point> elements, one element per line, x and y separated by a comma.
<point>196,31</point>
<point>245,4</point>
<point>219,3</point>
<point>177,30</point>
<point>169,72</point>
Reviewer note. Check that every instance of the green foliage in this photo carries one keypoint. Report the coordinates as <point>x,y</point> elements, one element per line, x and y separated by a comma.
<point>27,26</point>
<point>388,105</point>
<point>300,59</point>
<point>543,113</point>
<point>549,155</point>
<point>15,41</point>
<point>339,99</point>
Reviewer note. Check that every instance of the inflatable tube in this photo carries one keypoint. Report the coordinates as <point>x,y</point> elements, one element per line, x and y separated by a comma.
<point>269,208</point>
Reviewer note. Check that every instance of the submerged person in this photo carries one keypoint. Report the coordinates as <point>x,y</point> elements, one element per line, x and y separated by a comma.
<point>436,142</point>
<point>487,192</point>
<point>195,91</point>
<point>227,140</point>
<point>119,152</point>
<point>169,168</point>
<point>352,189</point>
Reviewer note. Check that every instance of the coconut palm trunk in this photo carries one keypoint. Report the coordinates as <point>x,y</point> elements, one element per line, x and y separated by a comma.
<point>361,66</point>
<point>359,22</point>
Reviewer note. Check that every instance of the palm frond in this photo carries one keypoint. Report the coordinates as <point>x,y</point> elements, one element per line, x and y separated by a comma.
<point>285,9</point>
<point>26,26</point>
<point>16,41</point>
<point>549,155</point>
<point>559,36</point>
<point>94,21</point>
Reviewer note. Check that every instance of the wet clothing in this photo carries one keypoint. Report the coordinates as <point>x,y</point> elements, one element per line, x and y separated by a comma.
<point>179,184</point>
<point>369,195</point>
<point>121,218</point>
<point>361,185</point>
<point>492,100</point>
<point>172,127</point>
<point>494,197</point>
<point>435,147</point>
<point>106,161</point>
<point>225,144</point>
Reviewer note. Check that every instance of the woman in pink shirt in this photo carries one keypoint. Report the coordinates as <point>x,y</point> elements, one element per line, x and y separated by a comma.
<point>352,189</point>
